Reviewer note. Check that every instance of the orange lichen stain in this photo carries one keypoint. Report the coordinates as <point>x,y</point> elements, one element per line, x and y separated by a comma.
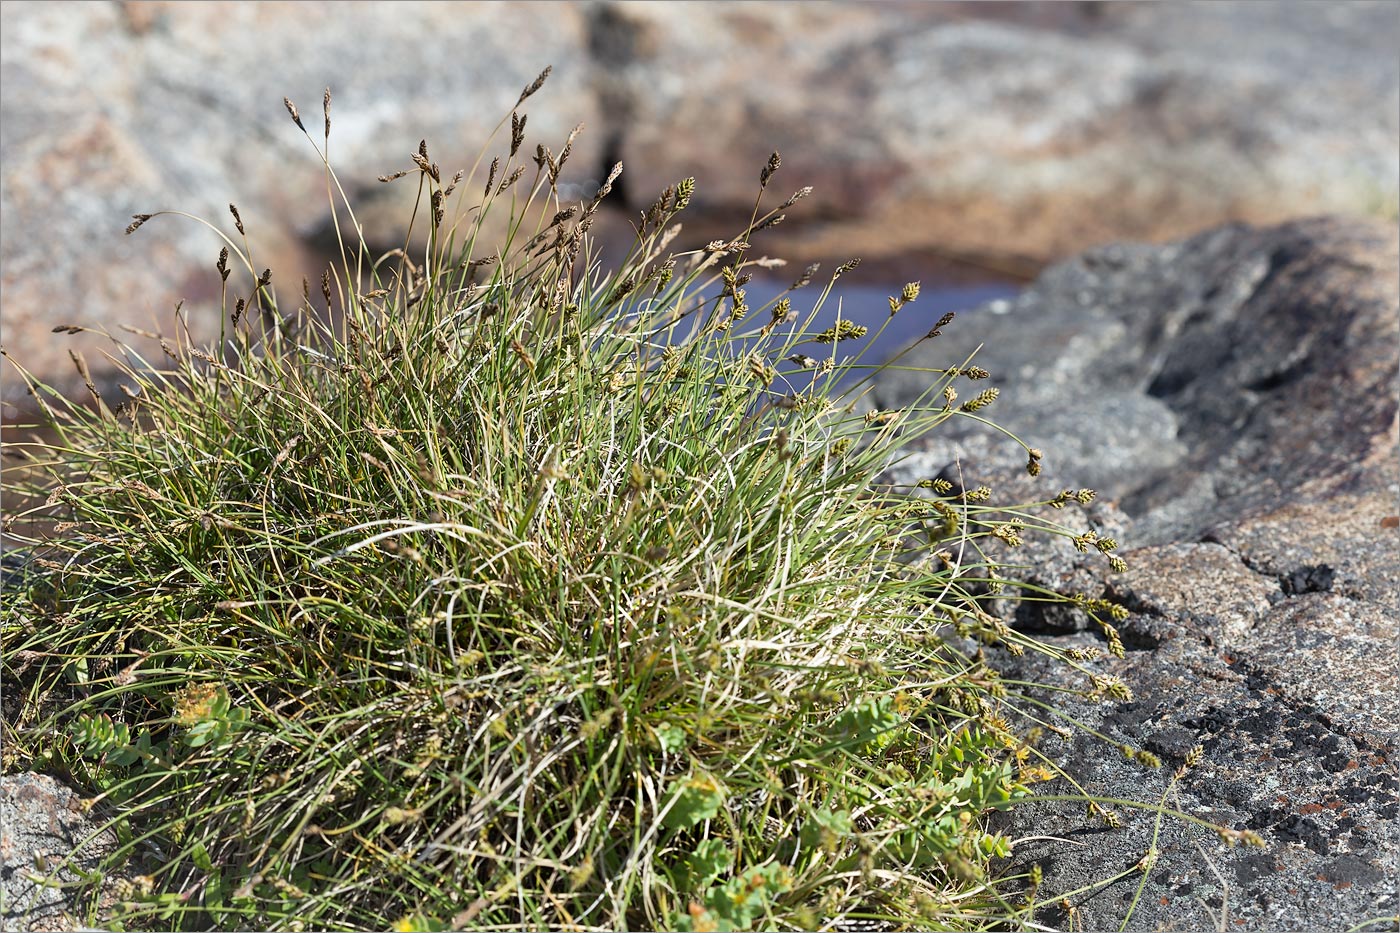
<point>1351,765</point>
<point>1308,809</point>
<point>1391,521</point>
<point>1165,901</point>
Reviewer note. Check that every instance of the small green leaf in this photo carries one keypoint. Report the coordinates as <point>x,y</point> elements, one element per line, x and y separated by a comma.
<point>76,671</point>
<point>693,800</point>
<point>670,737</point>
<point>200,855</point>
<point>825,828</point>
<point>710,859</point>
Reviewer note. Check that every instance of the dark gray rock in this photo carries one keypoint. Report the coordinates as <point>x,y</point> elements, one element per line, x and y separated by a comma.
<point>1266,601</point>
<point>1194,381</point>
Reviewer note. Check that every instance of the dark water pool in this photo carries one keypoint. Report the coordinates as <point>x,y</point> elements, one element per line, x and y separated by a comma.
<point>868,305</point>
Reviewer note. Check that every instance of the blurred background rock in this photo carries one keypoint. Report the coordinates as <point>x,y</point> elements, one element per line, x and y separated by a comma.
<point>961,143</point>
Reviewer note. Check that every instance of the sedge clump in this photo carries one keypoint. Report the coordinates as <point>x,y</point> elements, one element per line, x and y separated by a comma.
<point>497,588</point>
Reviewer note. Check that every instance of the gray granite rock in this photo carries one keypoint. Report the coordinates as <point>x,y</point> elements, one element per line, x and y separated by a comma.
<point>1248,379</point>
<point>42,827</point>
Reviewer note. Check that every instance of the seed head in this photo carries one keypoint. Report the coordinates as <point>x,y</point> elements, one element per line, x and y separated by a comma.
<point>938,328</point>
<point>607,185</point>
<point>534,85</point>
<point>684,189</point>
<point>775,161</point>
<point>511,179</point>
<point>292,109</point>
<point>797,195</point>
<point>844,330</point>
<point>806,278</point>
<point>981,400</point>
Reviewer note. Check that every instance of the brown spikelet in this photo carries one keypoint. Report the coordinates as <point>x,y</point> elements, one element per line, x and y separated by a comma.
<point>491,173</point>
<point>326,109</point>
<point>607,186</point>
<point>67,329</point>
<point>771,222</point>
<point>238,307</point>
<point>797,196</point>
<point>511,179</point>
<point>426,167</point>
<point>943,322</point>
<point>82,366</point>
<point>569,145</point>
<point>326,286</point>
<point>775,162</point>
<point>806,278</point>
<point>523,354</point>
<point>456,180</point>
<point>222,264</point>
<point>388,178</point>
<point>265,278</point>
<point>136,221</point>
<point>517,132</point>
<point>423,148</point>
<point>534,85</point>
<point>292,109</point>
<point>237,220</point>
<point>845,267</point>
<point>286,451</point>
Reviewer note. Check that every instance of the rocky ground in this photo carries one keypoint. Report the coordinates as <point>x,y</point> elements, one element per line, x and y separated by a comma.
<point>993,137</point>
<point>1233,398</point>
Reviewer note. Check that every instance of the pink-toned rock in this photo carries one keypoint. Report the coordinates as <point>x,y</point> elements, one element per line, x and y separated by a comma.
<point>1000,135</point>
<point>116,109</point>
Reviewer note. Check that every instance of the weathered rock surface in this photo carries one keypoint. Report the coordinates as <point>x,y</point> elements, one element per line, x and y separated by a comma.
<point>1242,385</point>
<point>1025,131</point>
<point>1004,134</point>
<point>121,108</point>
<point>41,825</point>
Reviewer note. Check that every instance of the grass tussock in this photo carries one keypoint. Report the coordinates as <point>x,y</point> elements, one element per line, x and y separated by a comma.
<point>488,587</point>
